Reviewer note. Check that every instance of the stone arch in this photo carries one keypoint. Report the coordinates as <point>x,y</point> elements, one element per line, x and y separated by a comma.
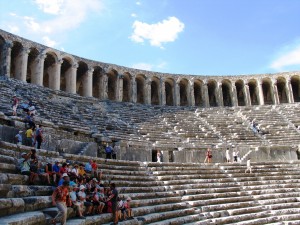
<point>49,64</point>
<point>126,87</point>
<point>112,78</point>
<point>32,64</point>
<point>241,97</point>
<point>15,63</point>
<point>96,85</point>
<point>183,92</point>
<point>65,72</point>
<point>281,88</point>
<point>253,90</point>
<point>212,93</point>
<point>227,93</point>
<point>267,91</point>
<point>295,83</point>
<point>155,91</point>
<point>140,88</point>
<point>80,75</point>
<point>198,93</point>
<point>169,91</point>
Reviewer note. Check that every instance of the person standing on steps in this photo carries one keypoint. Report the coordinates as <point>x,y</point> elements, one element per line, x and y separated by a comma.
<point>227,155</point>
<point>60,197</point>
<point>208,156</point>
<point>249,167</point>
<point>114,200</point>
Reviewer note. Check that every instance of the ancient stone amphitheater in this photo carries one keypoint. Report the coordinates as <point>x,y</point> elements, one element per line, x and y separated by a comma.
<point>83,104</point>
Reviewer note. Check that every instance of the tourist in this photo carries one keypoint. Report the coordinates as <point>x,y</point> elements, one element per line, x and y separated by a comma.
<point>249,167</point>
<point>83,199</point>
<point>128,210</point>
<point>39,136</point>
<point>28,135</point>
<point>88,167</point>
<point>24,166</point>
<point>158,156</point>
<point>98,200</point>
<point>63,178</point>
<point>227,155</point>
<point>235,154</point>
<point>208,156</point>
<point>121,209</point>
<point>55,170</point>
<point>43,174</point>
<point>113,199</point>
<point>108,151</point>
<point>19,138</point>
<point>116,150</point>
<point>59,199</point>
<point>15,105</point>
<point>77,205</point>
<point>49,170</point>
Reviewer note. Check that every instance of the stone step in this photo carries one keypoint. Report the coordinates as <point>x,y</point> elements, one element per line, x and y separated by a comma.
<point>227,206</point>
<point>28,218</point>
<point>221,201</point>
<point>9,178</point>
<point>155,201</point>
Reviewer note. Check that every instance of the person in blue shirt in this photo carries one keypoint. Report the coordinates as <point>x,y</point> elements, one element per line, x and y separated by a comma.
<point>55,170</point>
<point>19,138</point>
<point>108,151</point>
<point>88,167</point>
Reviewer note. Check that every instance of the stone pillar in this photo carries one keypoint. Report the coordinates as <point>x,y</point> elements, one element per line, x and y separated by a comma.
<point>234,96</point>
<point>21,64</point>
<point>289,91</point>
<point>71,79</point>
<point>176,94</point>
<point>120,88</point>
<point>103,86</point>
<point>191,95</point>
<point>205,95</point>
<point>133,96</point>
<point>37,77</point>
<point>247,97</point>
<point>87,83</point>
<point>260,93</point>
<point>5,60</point>
<point>54,80</point>
<point>274,92</point>
<point>163,92</point>
<point>147,92</point>
<point>219,94</point>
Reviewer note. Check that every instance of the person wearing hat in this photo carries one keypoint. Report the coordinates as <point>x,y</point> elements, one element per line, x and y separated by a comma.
<point>24,167</point>
<point>63,178</point>
<point>59,199</point>
<point>82,197</point>
<point>98,200</point>
<point>77,205</point>
<point>128,211</point>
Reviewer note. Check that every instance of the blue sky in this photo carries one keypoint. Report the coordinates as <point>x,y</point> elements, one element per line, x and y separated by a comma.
<point>199,37</point>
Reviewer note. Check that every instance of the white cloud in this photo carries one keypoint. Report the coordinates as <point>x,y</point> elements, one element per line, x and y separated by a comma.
<point>48,42</point>
<point>138,3</point>
<point>13,29</point>
<point>142,66</point>
<point>159,33</point>
<point>31,24</point>
<point>288,58</point>
<point>133,15</point>
<point>50,6</point>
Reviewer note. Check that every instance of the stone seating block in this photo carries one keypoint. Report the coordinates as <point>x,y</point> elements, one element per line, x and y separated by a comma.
<point>30,190</point>
<point>28,218</point>
<point>33,203</point>
<point>10,206</point>
<point>7,168</point>
<point>4,189</point>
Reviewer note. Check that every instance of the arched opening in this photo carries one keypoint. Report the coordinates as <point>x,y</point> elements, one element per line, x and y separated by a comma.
<point>97,82</point>
<point>155,91</point>
<point>81,73</point>
<point>198,93</point>
<point>241,98</point>
<point>126,88</point>
<point>140,88</point>
<point>169,91</point>
<point>183,92</point>
<point>32,64</point>
<point>212,93</point>
<point>112,85</point>
<point>65,73</point>
<point>49,71</point>
<point>296,88</point>
<point>16,60</point>
<point>227,93</point>
<point>253,89</point>
<point>281,89</point>
<point>267,92</point>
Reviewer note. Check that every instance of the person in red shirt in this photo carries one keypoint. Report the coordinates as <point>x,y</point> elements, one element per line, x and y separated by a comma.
<point>60,197</point>
<point>63,169</point>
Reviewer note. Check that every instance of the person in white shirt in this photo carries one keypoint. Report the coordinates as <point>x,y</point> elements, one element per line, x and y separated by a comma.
<point>227,155</point>
<point>249,167</point>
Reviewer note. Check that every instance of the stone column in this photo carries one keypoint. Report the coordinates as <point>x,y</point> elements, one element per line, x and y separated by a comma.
<point>247,97</point>
<point>119,87</point>
<point>54,80</point>
<point>274,92</point>
<point>87,83</point>
<point>71,79</point>
<point>38,75</point>
<point>163,91</point>
<point>234,96</point>
<point>176,94</point>
<point>289,91</point>
<point>133,96</point>
<point>103,86</point>
<point>21,64</point>
<point>191,95</point>
<point>219,94</point>
<point>147,92</point>
<point>5,60</point>
<point>260,93</point>
<point>205,95</point>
